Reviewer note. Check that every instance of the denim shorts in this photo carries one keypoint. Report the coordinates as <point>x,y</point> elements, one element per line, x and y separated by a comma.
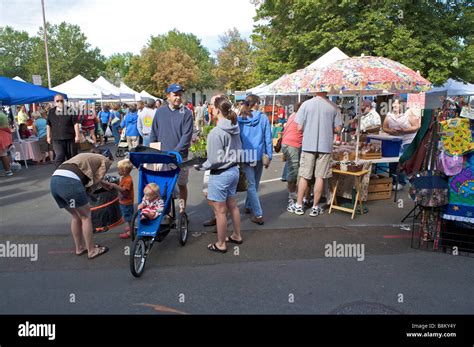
<point>127,212</point>
<point>223,185</point>
<point>68,192</point>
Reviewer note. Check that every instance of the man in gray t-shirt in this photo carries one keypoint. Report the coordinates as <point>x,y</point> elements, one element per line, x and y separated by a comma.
<point>319,119</point>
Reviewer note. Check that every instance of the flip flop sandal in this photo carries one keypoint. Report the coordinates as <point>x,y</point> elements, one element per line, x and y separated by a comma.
<point>231,240</point>
<point>102,250</point>
<point>84,251</point>
<point>213,248</point>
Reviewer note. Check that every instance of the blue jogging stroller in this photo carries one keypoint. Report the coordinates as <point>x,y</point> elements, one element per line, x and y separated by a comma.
<point>145,233</point>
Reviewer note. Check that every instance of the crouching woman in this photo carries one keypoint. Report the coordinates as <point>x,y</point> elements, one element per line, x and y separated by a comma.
<point>70,184</point>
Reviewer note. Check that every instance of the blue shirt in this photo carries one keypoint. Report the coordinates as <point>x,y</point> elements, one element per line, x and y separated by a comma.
<point>130,122</point>
<point>41,127</point>
<point>256,136</point>
<point>104,116</point>
<point>173,128</point>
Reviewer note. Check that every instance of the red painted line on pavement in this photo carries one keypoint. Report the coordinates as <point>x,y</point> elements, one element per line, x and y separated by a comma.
<point>163,309</point>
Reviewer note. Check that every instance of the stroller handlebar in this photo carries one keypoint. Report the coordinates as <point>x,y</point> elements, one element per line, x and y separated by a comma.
<point>146,155</point>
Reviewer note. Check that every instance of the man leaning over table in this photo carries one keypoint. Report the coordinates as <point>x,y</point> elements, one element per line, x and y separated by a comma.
<point>62,130</point>
<point>319,119</point>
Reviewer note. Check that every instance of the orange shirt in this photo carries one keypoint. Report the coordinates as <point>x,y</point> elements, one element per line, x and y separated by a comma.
<point>126,197</point>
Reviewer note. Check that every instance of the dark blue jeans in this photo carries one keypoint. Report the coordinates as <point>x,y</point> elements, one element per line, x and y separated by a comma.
<point>402,178</point>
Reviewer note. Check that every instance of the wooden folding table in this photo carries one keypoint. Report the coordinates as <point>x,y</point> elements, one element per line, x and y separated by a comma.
<point>358,200</point>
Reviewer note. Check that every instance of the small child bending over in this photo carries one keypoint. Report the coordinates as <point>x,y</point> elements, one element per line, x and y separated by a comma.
<point>152,205</point>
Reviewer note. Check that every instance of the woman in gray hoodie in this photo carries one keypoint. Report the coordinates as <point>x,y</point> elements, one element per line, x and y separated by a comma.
<point>223,152</point>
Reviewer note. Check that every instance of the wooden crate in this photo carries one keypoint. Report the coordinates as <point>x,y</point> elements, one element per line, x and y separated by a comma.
<point>379,188</point>
<point>380,180</point>
<point>379,195</point>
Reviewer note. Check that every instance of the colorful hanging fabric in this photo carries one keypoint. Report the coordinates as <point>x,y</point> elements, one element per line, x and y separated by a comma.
<point>456,136</point>
<point>461,194</point>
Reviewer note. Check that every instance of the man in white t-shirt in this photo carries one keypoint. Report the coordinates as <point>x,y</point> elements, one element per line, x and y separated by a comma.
<point>145,121</point>
<point>199,114</point>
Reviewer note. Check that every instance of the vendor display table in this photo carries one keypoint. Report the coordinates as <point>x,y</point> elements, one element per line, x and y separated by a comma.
<point>384,160</point>
<point>357,175</point>
<point>381,160</point>
<point>27,150</point>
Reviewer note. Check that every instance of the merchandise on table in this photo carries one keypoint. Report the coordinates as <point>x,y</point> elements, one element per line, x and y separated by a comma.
<point>456,136</point>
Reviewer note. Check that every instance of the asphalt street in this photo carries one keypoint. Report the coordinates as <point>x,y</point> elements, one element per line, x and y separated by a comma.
<point>282,266</point>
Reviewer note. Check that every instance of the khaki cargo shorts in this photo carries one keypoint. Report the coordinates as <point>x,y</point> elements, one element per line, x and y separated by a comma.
<point>183,176</point>
<point>314,164</point>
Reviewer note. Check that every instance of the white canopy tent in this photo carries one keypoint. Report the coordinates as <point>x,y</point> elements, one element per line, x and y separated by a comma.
<point>80,88</point>
<point>450,88</point>
<point>268,89</point>
<point>256,88</point>
<point>454,88</point>
<point>329,57</point>
<point>127,90</point>
<point>147,95</point>
<point>16,78</point>
<point>115,91</point>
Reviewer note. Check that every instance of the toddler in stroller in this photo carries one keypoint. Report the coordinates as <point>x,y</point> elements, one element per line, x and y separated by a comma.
<point>152,204</point>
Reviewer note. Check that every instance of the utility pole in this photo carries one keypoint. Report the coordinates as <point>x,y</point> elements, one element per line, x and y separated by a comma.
<point>46,45</point>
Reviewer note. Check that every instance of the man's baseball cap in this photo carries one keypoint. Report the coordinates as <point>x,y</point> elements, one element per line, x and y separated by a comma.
<point>367,102</point>
<point>174,88</point>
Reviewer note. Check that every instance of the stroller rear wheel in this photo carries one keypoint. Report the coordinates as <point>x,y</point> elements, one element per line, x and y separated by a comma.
<point>138,257</point>
<point>182,228</point>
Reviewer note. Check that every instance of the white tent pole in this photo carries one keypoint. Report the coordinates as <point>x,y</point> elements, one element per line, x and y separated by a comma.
<point>299,95</point>
<point>273,108</point>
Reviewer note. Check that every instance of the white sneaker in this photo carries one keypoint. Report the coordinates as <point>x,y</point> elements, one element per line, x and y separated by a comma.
<point>397,187</point>
<point>294,208</point>
<point>316,211</point>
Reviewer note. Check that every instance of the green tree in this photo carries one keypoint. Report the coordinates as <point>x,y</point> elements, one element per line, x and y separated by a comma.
<point>69,55</point>
<point>145,66</point>
<point>235,62</point>
<point>434,37</point>
<point>117,67</point>
<point>15,53</point>
<point>174,66</point>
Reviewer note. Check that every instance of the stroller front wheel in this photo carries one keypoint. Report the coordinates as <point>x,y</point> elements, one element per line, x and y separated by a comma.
<point>182,228</point>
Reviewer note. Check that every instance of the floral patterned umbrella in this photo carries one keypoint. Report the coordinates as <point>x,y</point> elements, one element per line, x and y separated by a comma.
<point>298,81</point>
<point>366,75</point>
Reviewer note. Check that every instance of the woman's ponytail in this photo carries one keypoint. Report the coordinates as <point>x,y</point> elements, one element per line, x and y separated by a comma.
<point>250,101</point>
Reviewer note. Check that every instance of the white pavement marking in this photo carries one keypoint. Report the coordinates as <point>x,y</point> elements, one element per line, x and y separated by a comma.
<point>272,180</point>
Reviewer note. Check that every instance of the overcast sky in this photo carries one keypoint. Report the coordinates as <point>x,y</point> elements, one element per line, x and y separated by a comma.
<point>118,26</point>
